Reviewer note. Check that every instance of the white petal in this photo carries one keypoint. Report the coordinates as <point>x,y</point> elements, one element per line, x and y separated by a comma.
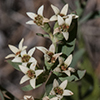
<point>57,69</point>
<point>54,98</point>
<point>74,16</point>
<point>33,65</point>
<point>64,10</point>
<point>55,9</point>
<point>60,20</point>
<point>21,43</point>
<point>32,60</point>
<point>10,55</point>
<point>28,97</point>
<point>32,82</point>
<point>30,22</point>
<point>24,78</point>
<point>52,48</point>
<point>68,60</point>
<point>24,47</point>
<point>38,72</point>
<point>63,84</point>
<point>67,72</point>
<point>66,35</point>
<point>23,53</point>
<point>31,51</point>
<point>57,55</point>
<point>43,49</point>
<point>68,20</point>
<point>56,30</point>
<point>55,83</point>
<point>24,69</point>
<point>31,15</point>
<point>13,48</point>
<point>45,20</point>
<point>61,61</point>
<point>60,97</point>
<point>52,92</point>
<point>71,69</point>
<point>17,59</point>
<point>67,93</point>
<point>40,10</point>
<point>53,18</point>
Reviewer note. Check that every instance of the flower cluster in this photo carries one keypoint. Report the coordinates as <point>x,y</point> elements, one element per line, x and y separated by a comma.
<point>55,60</point>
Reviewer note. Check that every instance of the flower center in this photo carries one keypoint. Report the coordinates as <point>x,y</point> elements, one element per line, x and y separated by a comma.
<point>17,53</point>
<point>31,74</point>
<point>38,20</point>
<point>50,56</point>
<point>64,67</point>
<point>61,15</point>
<point>25,58</point>
<point>64,27</point>
<point>58,90</point>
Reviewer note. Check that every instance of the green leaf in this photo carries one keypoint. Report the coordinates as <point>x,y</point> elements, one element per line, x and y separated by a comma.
<point>47,28</point>
<point>56,25</point>
<point>1,95</point>
<point>14,64</point>
<point>77,56</point>
<point>77,77</point>
<point>27,88</point>
<point>43,35</point>
<point>59,36</point>
<point>48,88</point>
<point>81,73</point>
<point>70,78</point>
<point>48,65</point>
<point>67,49</point>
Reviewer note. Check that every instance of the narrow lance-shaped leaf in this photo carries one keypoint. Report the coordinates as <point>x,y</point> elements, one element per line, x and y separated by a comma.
<point>14,64</point>
<point>79,76</point>
<point>1,95</point>
<point>43,35</point>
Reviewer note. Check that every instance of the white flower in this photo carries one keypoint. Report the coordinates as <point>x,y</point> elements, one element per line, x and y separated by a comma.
<point>28,97</point>
<point>61,13</point>
<point>30,74</point>
<point>64,26</point>
<point>25,58</point>
<point>57,12</point>
<point>37,18</point>
<point>15,50</point>
<point>47,98</point>
<point>59,90</point>
<point>64,66</point>
<point>49,55</point>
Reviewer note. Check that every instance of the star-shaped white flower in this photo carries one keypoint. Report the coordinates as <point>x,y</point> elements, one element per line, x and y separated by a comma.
<point>63,26</point>
<point>47,98</point>
<point>37,18</point>
<point>25,58</point>
<point>59,90</point>
<point>64,66</point>
<point>15,50</point>
<point>30,74</point>
<point>49,54</point>
<point>28,97</point>
<point>61,13</point>
<point>57,12</point>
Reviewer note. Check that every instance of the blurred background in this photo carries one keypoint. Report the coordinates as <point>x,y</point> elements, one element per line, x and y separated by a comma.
<point>13,28</point>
